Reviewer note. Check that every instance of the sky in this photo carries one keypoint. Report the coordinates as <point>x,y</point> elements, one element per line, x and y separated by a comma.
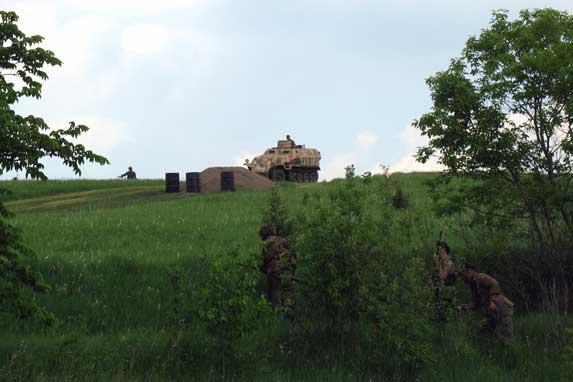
<point>182,85</point>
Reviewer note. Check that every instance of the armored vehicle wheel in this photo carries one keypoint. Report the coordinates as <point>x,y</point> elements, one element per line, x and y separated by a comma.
<point>278,175</point>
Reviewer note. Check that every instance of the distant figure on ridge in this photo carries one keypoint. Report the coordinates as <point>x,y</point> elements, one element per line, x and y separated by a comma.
<point>292,144</point>
<point>130,174</point>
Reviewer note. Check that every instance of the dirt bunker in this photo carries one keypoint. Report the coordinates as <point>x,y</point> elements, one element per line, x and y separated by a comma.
<point>211,179</point>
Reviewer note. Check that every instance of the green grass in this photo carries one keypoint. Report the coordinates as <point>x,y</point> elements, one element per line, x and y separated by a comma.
<point>26,189</point>
<point>112,258</point>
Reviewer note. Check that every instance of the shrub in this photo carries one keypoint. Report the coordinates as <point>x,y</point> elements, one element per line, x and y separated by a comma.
<point>231,307</point>
<point>356,286</point>
<point>399,199</point>
<point>276,213</point>
<point>404,317</point>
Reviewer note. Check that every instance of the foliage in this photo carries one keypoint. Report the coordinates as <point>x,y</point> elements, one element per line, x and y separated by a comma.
<point>14,299</point>
<point>568,351</point>
<point>230,305</point>
<point>276,213</point>
<point>350,171</point>
<point>111,267</point>
<point>355,283</point>
<point>405,329</point>
<point>24,141</point>
<point>502,115</point>
<point>399,199</point>
<point>367,178</point>
<point>335,244</point>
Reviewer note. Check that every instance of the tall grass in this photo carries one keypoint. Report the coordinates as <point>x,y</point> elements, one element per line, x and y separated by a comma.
<point>25,189</point>
<point>117,268</point>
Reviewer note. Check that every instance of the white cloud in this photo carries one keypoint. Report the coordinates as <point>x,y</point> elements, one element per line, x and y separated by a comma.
<point>133,6</point>
<point>144,39</point>
<point>36,17</point>
<point>104,134</point>
<point>76,44</point>
<point>107,83</point>
<point>409,164</point>
<point>411,139</point>
<point>366,139</point>
<point>335,167</point>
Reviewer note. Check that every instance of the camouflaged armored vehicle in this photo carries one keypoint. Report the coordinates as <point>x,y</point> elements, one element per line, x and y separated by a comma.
<point>287,161</point>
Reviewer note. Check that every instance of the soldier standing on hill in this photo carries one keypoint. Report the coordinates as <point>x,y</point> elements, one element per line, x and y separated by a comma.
<point>279,266</point>
<point>130,174</point>
<point>487,296</point>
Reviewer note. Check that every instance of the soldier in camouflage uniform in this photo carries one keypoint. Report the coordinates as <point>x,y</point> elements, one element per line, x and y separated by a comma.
<point>445,271</point>
<point>487,297</point>
<point>279,266</point>
<point>443,280</point>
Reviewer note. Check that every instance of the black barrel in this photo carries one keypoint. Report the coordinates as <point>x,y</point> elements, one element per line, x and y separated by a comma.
<point>193,181</point>
<point>171,182</point>
<point>227,181</point>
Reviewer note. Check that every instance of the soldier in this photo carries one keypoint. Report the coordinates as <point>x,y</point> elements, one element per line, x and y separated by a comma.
<point>487,296</point>
<point>292,144</point>
<point>279,266</point>
<point>130,174</point>
<point>444,266</point>
<point>443,280</point>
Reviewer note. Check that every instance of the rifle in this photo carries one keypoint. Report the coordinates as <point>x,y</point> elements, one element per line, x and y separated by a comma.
<point>439,242</point>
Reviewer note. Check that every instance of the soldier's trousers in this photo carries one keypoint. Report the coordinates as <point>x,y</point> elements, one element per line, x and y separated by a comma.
<point>279,290</point>
<point>500,323</point>
<point>274,289</point>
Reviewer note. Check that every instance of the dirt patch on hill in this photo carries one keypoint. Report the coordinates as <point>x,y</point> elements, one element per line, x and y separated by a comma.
<point>78,197</point>
<point>211,179</point>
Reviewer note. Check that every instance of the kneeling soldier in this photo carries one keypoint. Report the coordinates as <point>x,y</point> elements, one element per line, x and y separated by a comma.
<point>487,296</point>
<point>279,266</point>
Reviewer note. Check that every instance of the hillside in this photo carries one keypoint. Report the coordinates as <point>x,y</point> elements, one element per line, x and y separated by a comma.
<point>126,261</point>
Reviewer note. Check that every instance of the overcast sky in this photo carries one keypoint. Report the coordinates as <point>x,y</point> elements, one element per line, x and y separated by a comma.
<point>181,85</point>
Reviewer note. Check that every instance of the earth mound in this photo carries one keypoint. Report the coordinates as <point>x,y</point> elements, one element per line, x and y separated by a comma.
<point>211,179</point>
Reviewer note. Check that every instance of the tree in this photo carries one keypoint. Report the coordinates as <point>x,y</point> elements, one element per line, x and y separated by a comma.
<point>24,141</point>
<point>502,115</point>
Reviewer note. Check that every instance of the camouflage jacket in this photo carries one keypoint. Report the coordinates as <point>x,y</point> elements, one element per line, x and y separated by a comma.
<point>276,256</point>
<point>484,290</point>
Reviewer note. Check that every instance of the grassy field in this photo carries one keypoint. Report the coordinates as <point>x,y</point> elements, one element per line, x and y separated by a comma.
<point>29,189</point>
<point>118,254</point>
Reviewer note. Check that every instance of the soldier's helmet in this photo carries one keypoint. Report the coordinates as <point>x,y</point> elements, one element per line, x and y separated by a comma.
<point>268,230</point>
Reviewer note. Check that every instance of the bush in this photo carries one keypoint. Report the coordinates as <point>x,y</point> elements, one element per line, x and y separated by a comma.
<point>231,307</point>
<point>399,199</point>
<point>356,286</point>
<point>404,318</point>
